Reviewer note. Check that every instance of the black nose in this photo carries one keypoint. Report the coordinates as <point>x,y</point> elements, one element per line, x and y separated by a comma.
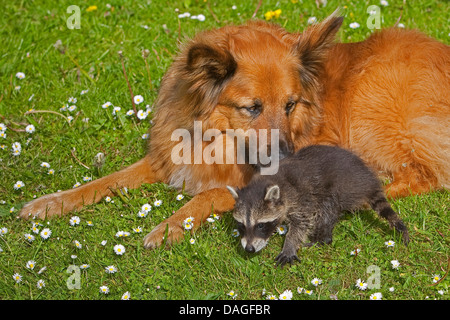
<point>249,248</point>
<point>286,149</point>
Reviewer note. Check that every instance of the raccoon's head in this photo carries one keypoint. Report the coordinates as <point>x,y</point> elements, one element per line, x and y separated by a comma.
<point>258,211</point>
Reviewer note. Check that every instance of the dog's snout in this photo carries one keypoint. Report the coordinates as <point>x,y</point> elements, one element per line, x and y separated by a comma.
<point>286,149</point>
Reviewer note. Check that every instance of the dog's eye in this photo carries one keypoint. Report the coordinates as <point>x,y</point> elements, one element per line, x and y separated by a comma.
<point>290,107</point>
<point>254,110</point>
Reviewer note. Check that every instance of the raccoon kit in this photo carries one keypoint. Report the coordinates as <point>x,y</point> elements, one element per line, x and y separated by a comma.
<point>310,191</point>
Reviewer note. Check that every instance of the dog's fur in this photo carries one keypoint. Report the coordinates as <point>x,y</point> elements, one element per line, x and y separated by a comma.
<point>386,98</point>
<point>310,192</point>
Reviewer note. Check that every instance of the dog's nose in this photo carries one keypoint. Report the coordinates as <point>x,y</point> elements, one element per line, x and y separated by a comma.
<point>286,149</point>
<point>249,248</point>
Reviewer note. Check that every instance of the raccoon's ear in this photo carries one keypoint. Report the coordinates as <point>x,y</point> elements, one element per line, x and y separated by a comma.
<point>233,192</point>
<point>312,47</point>
<point>272,193</point>
<point>213,64</point>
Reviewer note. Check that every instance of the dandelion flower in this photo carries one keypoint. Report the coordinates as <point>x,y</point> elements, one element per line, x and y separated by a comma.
<point>17,277</point>
<point>119,249</point>
<point>180,197</point>
<point>157,203</point>
<point>20,75</point>
<point>31,264</point>
<point>361,285</point>
<point>45,233</point>
<point>146,207</point>
<point>138,99</point>
<point>111,269</point>
<point>18,185</point>
<point>376,296</point>
<point>354,25</point>
<point>104,289</point>
<point>74,221</point>
<point>40,284</point>
<point>389,243</point>
<point>395,264</point>
<point>315,282</point>
<point>126,296</point>
<point>286,295</point>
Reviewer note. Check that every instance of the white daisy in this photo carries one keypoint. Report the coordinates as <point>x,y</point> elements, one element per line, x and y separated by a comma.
<point>72,100</point>
<point>316,281</point>
<point>45,165</point>
<point>3,231</point>
<point>106,105</point>
<point>157,203</point>
<point>180,197</point>
<point>389,243</point>
<point>146,207</point>
<point>235,233</point>
<point>354,25</point>
<point>119,249</point>
<point>312,20</point>
<point>29,237</point>
<point>104,289</point>
<point>40,284</point>
<point>78,244</point>
<point>376,296</point>
<point>282,229</point>
<point>2,134</point>
<point>84,91</point>
<point>142,214</point>
<point>130,113</point>
<point>111,269</point>
<point>17,277</point>
<point>138,99</point>
<point>30,128</point>
<point>18,185</point>
<point>74,221</point>
<point>45,233</point>
<point>188,223</point>
<point>361,285</point>
<point>395,264</point>
<point>126,296</point>
<point>142,114</point>
<point>286,295</point>
<point>20,75</point>
<point>72,108</point>
<point>31,264</point>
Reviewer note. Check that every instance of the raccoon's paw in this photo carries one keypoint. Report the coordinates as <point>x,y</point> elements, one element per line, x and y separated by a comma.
<point>157,236</point>
<point>284,258</point>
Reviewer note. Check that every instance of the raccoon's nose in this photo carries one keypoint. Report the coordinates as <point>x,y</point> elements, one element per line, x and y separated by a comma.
<point>249,248</point>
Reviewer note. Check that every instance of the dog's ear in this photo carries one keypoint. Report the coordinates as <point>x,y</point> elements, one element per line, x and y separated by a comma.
<point>312,48</point>
<point>213,64</point>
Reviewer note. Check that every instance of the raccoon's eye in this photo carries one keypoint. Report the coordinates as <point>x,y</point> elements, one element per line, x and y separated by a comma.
<point>290,107</point>
<point>260,226</point>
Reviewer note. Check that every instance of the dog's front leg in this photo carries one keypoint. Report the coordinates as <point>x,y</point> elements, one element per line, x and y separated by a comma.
<point>200,207</point>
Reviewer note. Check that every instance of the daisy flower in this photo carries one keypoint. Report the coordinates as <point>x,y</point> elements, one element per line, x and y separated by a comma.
<point>312,20</point>
<point>146,207</point>
<point>142,114</point>
<point>121,234</point>
<point>20,75</point>
<point>126,296</point>
<point>384,3</point>
<point>361,285</point>
<point>42,269</point>
<point>192,241</point>
<point>188,223</point>
<point>354,25</point>
<point>3,231</point>
<point>84,91</point>
<point>129,113</point>
<point>111,269</point>
<point>78,244</point>
<point>72,108</point>
<point>29,237</point>
<point>72,99</point>
<point>45,233</point>
<point>157,203</point>
<point>119,249</point>
<point>74,221</point>
<point>282,229</point>
<point>2,127</point>
<point>389,243</point>
<point>115,110</point>
<point>235,233</point>
<point>106,105</point>
<point>108,199</point>
<point>376,296</point>
<point>138,229</point>
<point>103,243</point>
<point>2,134</point>
<point>271,297</point>
<point>355,252</point>
<point>145,136</point>
<point>142,214</point>
<point>30,128</point>
<point>104,289</point>
<point>436,278</point>
<point>84,266</point>
<point>138,99</point>
<point>232,294</point>
<point>76,185</point>
<point>40,284</point>
<point>86,179</point>
<point>90,223</point>
<point>45,165</point>
<point>18,185</point>
<point>286,295</point>
<point>315,282</point>
<point>17,277</point>
<point>309,292</point>
<point>180,197</point>
<point>31,264</point>
<point>35,229</point>
<point>51,171</point>
<point>395,264</point>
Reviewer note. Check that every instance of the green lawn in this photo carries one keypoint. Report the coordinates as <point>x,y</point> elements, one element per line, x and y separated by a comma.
<point>215,263</point>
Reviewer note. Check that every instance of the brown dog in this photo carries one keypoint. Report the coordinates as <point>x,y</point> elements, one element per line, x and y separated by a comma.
<point>386,98</point>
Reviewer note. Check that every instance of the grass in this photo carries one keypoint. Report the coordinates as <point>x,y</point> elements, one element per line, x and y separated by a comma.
<point>215,264</point>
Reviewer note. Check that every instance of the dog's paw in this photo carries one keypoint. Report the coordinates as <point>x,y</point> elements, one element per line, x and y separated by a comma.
<point>43,207</point>
<point>157,236</point>
<point>284,258</point>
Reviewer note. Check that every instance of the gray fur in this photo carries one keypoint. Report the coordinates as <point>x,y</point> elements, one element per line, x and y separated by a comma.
<point>310,191</point>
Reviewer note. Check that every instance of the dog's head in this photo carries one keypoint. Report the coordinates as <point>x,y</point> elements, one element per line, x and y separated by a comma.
<point>256,76</point>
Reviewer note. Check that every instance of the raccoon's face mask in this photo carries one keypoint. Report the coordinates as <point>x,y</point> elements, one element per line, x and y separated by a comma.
<point>256,220</point>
